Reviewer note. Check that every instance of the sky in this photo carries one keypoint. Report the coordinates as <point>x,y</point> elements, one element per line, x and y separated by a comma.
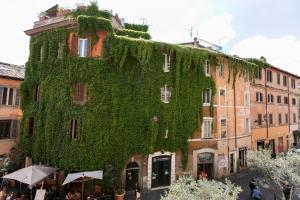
<point>247,28</point>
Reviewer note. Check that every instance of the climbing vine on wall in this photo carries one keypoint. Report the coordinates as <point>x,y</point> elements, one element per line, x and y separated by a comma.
<point>133,33</point>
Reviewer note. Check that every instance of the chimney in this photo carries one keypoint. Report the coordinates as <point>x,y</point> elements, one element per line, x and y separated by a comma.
<point>196,42</point>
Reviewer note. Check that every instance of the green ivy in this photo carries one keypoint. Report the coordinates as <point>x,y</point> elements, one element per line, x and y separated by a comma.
<point>137,27</point>
<point>118,120</point>
<point>133,33</point>
<point>91,10</point>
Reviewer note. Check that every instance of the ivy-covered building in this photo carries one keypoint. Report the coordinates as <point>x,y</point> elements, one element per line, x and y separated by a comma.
<point>98,92</point>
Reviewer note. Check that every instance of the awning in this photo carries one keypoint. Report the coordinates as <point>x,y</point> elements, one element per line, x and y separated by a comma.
<point>86,175</point>
<point>31,175</point>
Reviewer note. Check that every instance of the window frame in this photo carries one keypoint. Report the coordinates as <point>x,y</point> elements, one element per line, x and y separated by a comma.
<point>79,93</point>
<point>279,119</point>
<point>73,130</point>
<point>284,81</point>
<point>270,99</point>
<point>270,119</point>
<point>221,69</point>
<point>279,99</point>
<point>83,53</point>
<point>259,97</point>
<point>207,68</point>
<point>165,94</point>
<point>203,134</point>
<point>269,76</point>
<point>207,97</point>
<point>293,83</point>
<point>167,62</point>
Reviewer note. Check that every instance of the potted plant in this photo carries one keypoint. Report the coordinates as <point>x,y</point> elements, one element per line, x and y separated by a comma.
<point>120,193</point>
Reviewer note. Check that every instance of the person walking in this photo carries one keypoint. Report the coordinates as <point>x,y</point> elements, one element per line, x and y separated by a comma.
<point>256,194</point>
<point>137,192</point>
<point>252,186</point>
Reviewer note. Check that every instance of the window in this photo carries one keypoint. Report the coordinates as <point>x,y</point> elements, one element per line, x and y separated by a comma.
<point>223,134</point>
<point>165,94</point>
<point>83,47</point>
<point>286,100</point>
<point>294,117</point>
<point>207,128</point>
<point>73,129</point>
<point>37,92</point>
<point>246,99</point>
<point>247,126</point>
<point>221,70</point>
<point>259,119</point>
<point>60,51</point>
<point>207,68</point>
<point>278,79</point>
<point>42,54</point>
<point>270,98</point>
<point>271,119</point>
<point>258,74</point>
<point>279,119</point>
<point>9,96</point>
<point>278,99</point>
<point>167,63</point>
<point>223,122</point>
<point>79,93</point>
<point>286,118</point>
<point>259,97</point>
<point>284,81</point>
<point>293,83</point>
<point>207,96</point>
<point>293,101</point>
<point>222,92</point>
<point>269,76</point>
<point>30,129</point>
<point>9,129</point>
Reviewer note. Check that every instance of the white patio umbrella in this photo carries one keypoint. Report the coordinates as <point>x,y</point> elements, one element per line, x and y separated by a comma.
<point>82,177</point>
<point>31,175</point>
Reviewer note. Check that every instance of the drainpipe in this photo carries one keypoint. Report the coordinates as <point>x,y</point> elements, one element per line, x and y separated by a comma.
<point>289,109</point>
<point>266,95</point>
<point>234,102</point>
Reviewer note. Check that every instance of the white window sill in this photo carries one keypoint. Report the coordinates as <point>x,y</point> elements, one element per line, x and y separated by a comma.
<point>206,104</point>
<point>166,101</point>
<point>207,138</point>
<point>207,75</point>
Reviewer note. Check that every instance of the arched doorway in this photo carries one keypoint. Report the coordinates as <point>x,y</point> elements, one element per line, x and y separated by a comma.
<point>132,176</point>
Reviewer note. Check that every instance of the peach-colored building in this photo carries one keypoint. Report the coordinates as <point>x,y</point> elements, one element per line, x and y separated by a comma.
<point>11,77</point>
<point>274,109</point>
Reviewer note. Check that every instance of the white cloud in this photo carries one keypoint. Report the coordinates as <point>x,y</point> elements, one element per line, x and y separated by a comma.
<point>282,52</point>
<point>218,29</point>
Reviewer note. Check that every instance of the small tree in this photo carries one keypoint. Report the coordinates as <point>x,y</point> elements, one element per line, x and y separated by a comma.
<point>283,171</point>
<point>188,188</point>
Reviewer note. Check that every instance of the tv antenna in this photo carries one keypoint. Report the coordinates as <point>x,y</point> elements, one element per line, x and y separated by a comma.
<point>144,20</point>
